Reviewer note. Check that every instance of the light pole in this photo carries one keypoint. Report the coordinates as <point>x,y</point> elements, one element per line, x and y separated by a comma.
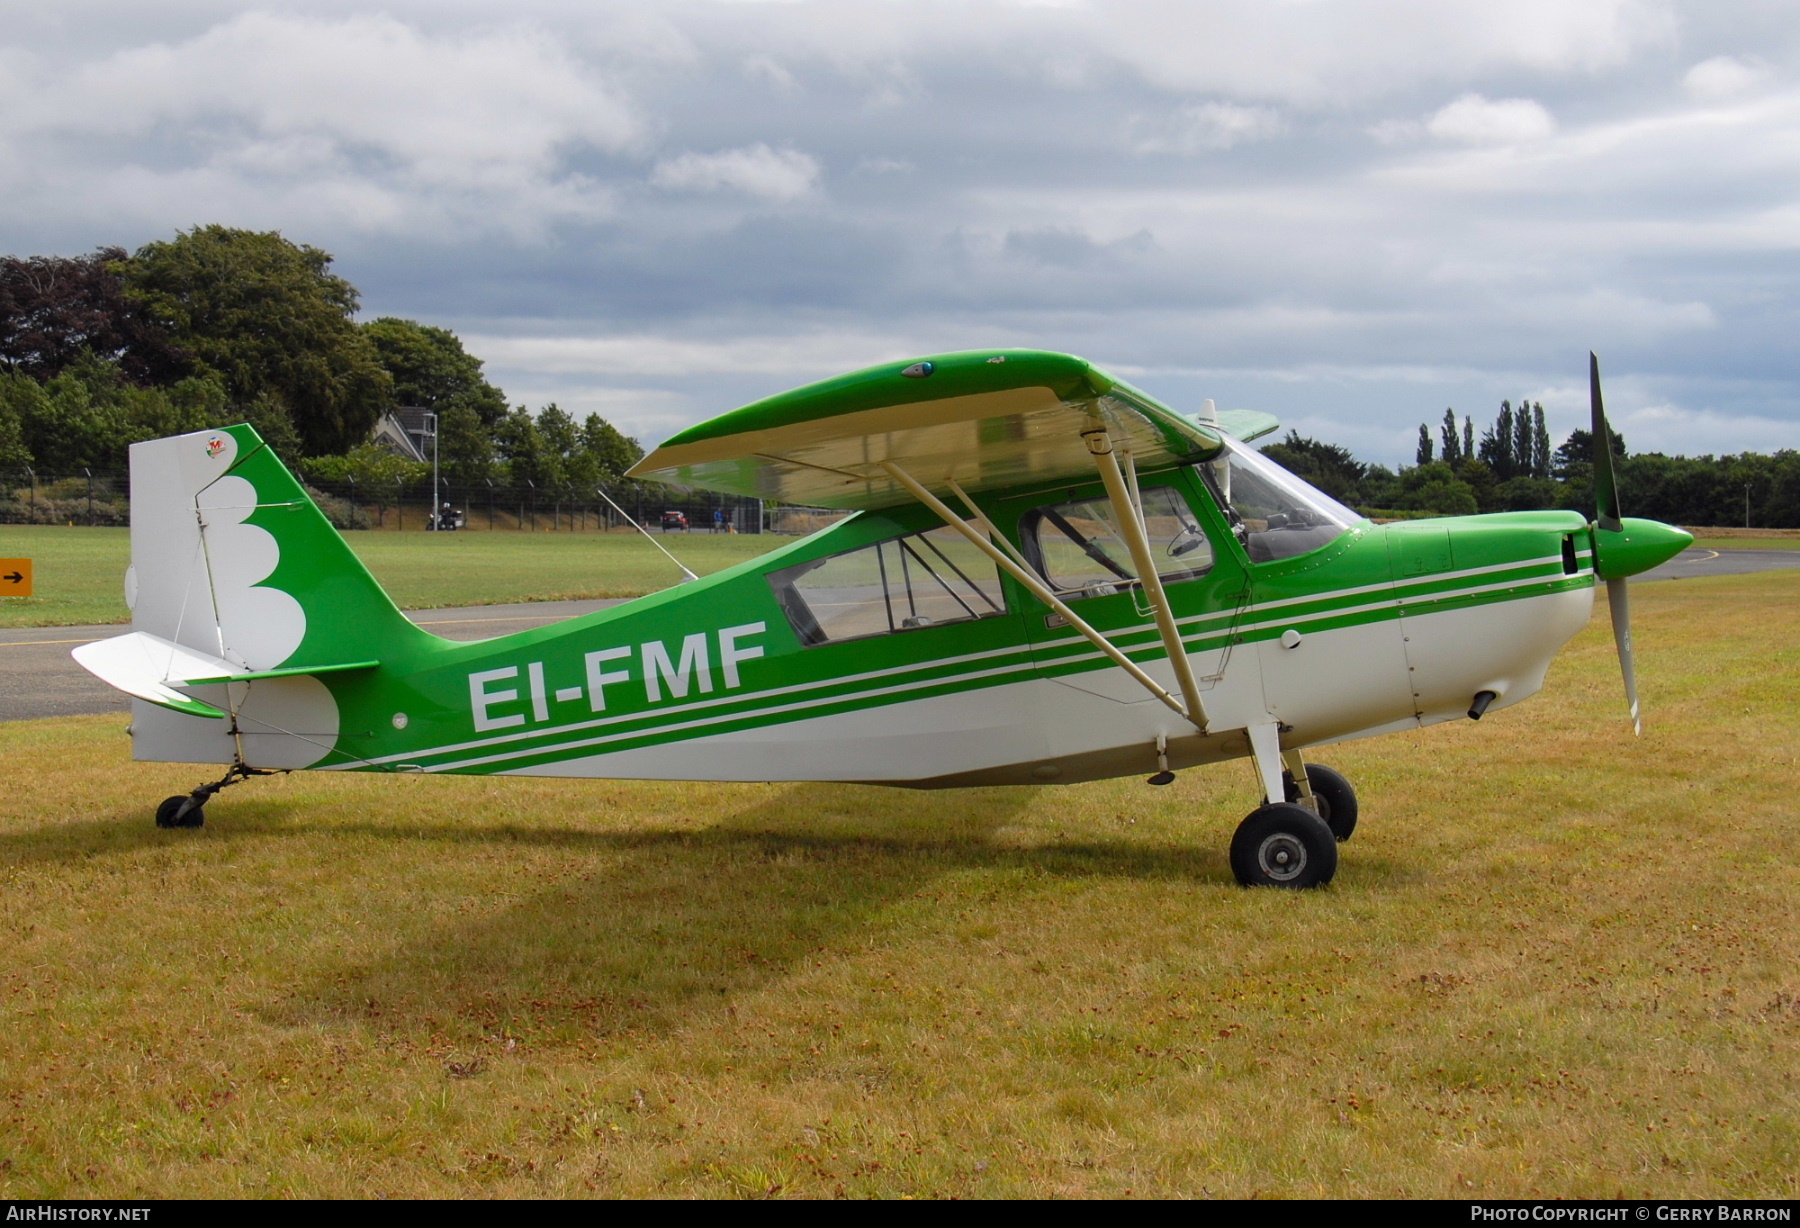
<point>436,521</point>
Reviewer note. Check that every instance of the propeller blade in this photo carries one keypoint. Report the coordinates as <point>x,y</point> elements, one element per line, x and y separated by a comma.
<point>1606,488</point>
<point>1618,600</point>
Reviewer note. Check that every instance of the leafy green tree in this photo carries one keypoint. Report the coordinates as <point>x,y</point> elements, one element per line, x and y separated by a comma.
<point>1435,488</point>
<point>1452,440</point>
<point>521,447</point>
<point>272,320</point>
<point>612,451</point>
<point>1526,494</point>
<point>1327,466</point>
<point>1423,455</point>
<point>1474,473</point>
<point>431,370</point>
<point>14,390</point>
<point>1497,444</point>
<point>465,446</point>
<point>87,416</point>
<point>558,431</point>
<point>372,468</point>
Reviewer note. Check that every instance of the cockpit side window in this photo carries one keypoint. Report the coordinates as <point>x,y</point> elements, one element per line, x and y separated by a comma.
<point>902,584</point>
<point>1078,548</point>
<point>1273,513</point>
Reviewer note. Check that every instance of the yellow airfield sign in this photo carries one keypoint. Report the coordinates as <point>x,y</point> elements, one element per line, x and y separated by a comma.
<point>15,577</point>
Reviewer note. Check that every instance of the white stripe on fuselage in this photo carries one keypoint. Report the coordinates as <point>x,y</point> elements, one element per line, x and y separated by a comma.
<point>1092,655</point>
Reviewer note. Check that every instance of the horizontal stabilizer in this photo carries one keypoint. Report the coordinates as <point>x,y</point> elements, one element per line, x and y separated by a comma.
<point>292,671</point>
<point>150,667</point>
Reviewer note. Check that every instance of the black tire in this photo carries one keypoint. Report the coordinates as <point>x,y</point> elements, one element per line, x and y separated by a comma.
<point>1283,845</point>
<point>1337,800</point>
<point>166,813</point>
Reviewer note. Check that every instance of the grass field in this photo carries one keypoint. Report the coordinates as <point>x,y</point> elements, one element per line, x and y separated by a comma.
<point>79,572</point>
<point>1557,960</point>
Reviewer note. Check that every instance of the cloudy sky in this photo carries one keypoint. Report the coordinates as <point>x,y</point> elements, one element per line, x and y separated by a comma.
<point>1350,213</point>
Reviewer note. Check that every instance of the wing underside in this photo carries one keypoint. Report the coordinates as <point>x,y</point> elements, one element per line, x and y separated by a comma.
<point>984,420</point>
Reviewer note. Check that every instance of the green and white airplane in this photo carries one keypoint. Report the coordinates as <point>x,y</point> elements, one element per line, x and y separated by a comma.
<point>1049,577</point>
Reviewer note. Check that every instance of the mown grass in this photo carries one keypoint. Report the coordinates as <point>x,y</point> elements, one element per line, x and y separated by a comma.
<point>1557,960</point>
<point>79,572</point>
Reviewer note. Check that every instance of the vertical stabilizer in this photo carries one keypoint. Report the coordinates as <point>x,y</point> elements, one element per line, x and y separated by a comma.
<point>231,558</point>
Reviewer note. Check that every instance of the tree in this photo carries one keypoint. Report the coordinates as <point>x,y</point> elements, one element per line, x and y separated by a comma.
<point>1497,444</point>
<point>1325,465</point>
<point>431,370</point>
<point>1434,487</point>
<point>14,455</point>
<point>1423,455</point>
<point>1452,452</point>
<point>465,448</point>
<point>1578,449</point>
<point>374,469</point>
<point>273,321</point>
<point>612,451</point>
<point>1540,444</point>
<point>88,415</point>
<point>53,309</point>
<point>1524,445</point>
<point>521,448</point>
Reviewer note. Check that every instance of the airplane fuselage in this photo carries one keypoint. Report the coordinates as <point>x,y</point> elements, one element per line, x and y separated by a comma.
<point>730,678</point>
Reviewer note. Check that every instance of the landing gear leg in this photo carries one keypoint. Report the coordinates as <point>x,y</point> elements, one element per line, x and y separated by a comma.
<point>189,809</point>
<point>1281,844</point>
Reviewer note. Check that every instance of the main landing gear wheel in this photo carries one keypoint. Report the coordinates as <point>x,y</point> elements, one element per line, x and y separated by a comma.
<point>1337,800</point>
<point>169,813</point>
<point>1283,845</point>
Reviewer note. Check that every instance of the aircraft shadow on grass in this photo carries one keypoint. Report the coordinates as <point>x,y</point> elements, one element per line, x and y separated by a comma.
<point>667,926</point>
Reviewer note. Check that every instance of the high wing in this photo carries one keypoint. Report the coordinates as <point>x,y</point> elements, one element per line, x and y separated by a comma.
<point>983,419</point>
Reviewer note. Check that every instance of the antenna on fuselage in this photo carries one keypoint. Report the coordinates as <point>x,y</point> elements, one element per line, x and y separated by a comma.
<point>686,575</point>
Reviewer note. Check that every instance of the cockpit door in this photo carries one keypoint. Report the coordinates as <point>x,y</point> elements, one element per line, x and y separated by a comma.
<point>1070,539</point>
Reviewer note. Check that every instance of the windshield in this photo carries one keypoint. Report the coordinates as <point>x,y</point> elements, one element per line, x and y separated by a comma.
<point>1272,512</point>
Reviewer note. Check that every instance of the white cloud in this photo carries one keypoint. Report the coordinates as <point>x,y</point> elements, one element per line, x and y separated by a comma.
<point>1321,53</point>
<point>1474,120</point>
<point>1723,77</point>
<point>772,174</point>
<point>1211,126</point>
<point>770,72</point>
<point>262,103</point>
<point>810,352</point>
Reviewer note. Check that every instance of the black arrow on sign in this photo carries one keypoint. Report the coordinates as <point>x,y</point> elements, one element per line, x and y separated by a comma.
<point>15,577</point>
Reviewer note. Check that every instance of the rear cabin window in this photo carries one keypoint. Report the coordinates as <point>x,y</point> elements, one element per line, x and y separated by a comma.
<point>1078,547</point>
<point>902,584</point>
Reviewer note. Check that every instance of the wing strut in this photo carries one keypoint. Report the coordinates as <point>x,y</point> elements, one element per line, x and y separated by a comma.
<point>1026,577</point>
<point>1130,515</point>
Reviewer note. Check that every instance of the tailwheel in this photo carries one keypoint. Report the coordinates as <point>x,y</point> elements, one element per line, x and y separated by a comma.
<point>169,814</point>
<point>1283,845</point>
<point>1335,797</point>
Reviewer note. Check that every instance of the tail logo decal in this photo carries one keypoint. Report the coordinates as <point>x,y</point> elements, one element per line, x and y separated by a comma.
<point>258,626</point>
<point>214,446</point>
